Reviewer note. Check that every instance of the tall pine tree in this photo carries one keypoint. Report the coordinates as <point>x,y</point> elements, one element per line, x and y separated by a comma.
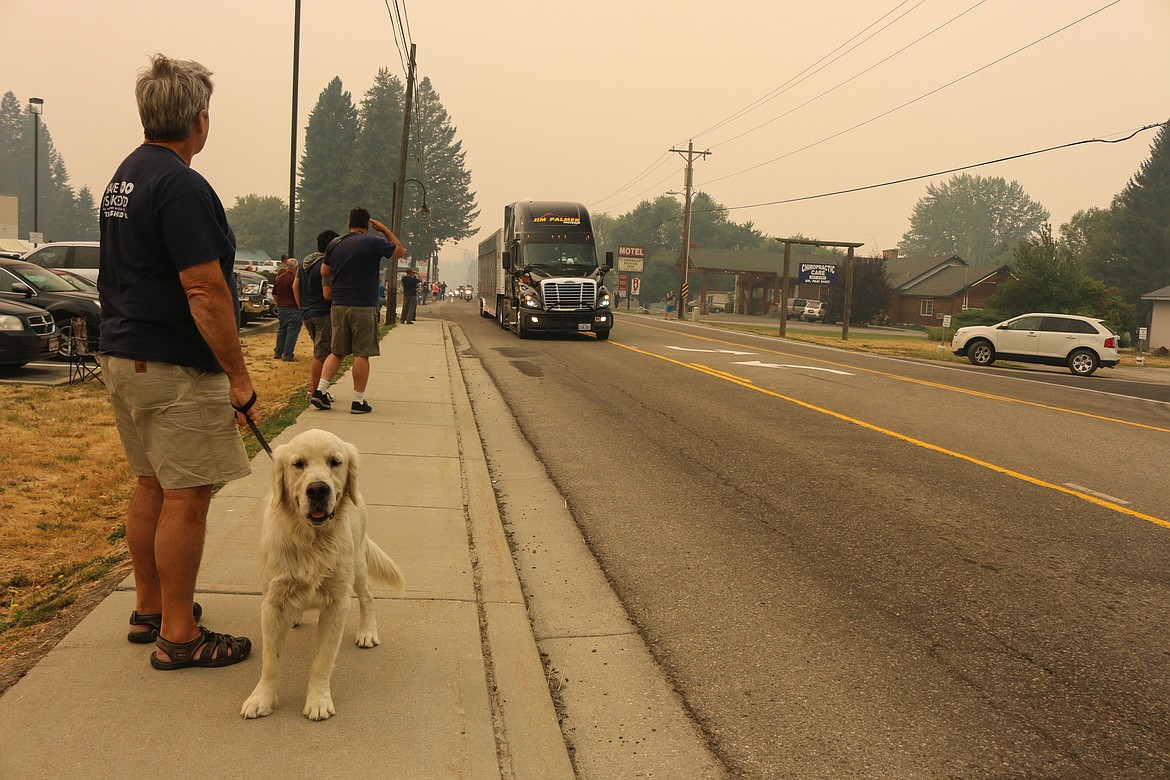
<point>327,191</point>
<point>378,145</point>
<point>437,159</point>
<point>1140,262</point>
<point>61,214</point>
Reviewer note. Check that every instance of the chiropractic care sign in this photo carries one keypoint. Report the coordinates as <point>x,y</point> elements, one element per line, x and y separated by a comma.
<point>817,273</point>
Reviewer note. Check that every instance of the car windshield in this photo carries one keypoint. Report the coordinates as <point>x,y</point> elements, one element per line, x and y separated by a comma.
<point>557,259</point>
<point>77,282</point>
<point>40,278</point>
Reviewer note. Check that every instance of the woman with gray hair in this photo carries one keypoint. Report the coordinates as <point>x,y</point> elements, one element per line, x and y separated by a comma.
<point>171,358</point>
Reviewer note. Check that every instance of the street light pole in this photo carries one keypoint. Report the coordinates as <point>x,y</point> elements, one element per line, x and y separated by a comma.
<point>36,107</point>
<point>292,164</point>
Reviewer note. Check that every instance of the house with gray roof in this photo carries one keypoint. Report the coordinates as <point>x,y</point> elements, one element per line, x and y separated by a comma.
<point>1158,336</point>
<point>927,288</point>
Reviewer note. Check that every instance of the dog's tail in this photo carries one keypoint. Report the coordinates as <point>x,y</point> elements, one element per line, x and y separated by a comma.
<point>382,567</point>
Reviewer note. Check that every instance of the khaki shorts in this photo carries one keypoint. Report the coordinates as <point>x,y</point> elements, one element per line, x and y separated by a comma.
<point>176,423</point>
<point>355,331</point>
<point>320,329</point>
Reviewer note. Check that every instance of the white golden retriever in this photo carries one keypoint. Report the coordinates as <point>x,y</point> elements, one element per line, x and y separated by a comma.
<point>314,552</point>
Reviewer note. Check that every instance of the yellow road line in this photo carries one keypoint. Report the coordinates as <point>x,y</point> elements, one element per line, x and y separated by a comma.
<point>747,383</point>
<point>928,383</point>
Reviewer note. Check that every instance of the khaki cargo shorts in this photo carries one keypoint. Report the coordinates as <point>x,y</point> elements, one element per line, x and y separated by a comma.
<point>320,329</point>
<point>176,423</point>
<point>355,331</point>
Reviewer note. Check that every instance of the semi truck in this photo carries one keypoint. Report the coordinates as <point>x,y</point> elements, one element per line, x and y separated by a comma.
<point>539,272</point>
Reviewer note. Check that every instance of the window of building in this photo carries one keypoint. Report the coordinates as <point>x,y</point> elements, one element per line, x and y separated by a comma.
<point>927,307</point>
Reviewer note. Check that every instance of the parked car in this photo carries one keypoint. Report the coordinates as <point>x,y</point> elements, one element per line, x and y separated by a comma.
<point>1081,343</point>
<point>79,282</point>
<point>81,257</point>
<point>255,294</point>
<point>28,283</point>
<point>27,333</point>
<point>814,311</point>
<point>796,306</point>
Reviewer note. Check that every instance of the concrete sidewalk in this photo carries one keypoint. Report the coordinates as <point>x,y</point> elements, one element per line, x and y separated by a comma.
<point>456,689</point>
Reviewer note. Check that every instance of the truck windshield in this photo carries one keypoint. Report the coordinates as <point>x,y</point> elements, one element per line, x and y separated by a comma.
<point>558,259</point>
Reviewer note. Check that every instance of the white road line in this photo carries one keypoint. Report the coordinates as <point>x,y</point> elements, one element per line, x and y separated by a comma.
<point>723,351</point>
<point>1095,494</point>
<point>786,365</point>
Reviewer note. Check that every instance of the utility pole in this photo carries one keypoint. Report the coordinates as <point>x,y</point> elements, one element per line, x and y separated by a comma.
<point>292,165</point>
<point>400,191</point>
<point>684,288</point>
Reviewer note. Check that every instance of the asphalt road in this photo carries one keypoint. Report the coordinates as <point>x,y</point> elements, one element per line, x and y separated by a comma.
<point>855,566</point>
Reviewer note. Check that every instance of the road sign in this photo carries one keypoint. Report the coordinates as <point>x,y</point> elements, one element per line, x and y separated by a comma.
<point>631,258</point>
<point>817,273</point>
<point>635,285</point>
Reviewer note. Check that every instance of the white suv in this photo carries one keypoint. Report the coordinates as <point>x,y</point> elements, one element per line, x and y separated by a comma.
<point>80,257</point>
<point>1081,343</point>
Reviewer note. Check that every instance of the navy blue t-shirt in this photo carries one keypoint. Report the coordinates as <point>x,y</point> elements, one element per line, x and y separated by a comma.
<point>355,262</point>
<point>158,216</point>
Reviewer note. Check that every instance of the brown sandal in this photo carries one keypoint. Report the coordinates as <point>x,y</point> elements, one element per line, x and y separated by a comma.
<point>155,623</point>
<point>217,650</point>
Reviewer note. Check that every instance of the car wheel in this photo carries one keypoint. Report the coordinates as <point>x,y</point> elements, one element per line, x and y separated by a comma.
<point>1082,362</point>
<point>981,353</point>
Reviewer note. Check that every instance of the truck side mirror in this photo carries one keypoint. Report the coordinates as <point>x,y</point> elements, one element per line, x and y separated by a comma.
<point>608,263</point>
<point>507,260</point>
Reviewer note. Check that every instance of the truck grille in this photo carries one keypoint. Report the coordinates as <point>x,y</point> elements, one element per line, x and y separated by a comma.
<point>41,323</point>
<point>569,293</point>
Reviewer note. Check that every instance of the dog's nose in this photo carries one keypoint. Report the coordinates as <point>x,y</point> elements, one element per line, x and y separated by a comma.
<point>317,491</point>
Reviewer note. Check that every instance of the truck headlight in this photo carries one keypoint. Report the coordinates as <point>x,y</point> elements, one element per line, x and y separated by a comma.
<point>529,300</point>
<point>10,323</point>
<point>603,301</point>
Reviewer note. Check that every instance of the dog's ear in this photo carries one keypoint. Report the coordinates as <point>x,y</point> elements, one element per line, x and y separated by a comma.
<point>351,473</point>
<point>279,471</point>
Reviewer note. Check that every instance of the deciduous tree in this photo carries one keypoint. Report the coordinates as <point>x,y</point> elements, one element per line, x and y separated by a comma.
<point>260,222</point>
<point>973,217</point>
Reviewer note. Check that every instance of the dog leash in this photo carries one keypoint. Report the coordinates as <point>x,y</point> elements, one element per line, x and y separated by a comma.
<point>252,423</point>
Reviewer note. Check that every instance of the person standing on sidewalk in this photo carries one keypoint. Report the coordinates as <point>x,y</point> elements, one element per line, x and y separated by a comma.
<point>351,267</point>
<point>410,284</point>
<point>288,313</point>
<point>170,354</point>
<point>312,296</point>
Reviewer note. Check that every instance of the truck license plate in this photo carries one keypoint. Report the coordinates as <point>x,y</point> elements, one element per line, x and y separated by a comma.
<point>54,345</point>
<point>584,326</point>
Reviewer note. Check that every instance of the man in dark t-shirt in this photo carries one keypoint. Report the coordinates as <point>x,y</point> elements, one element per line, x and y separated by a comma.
<point>351,266</point>
<point>410,284</point>
<point>171,359</point>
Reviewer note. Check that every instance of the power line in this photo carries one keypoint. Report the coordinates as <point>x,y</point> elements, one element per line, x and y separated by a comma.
<point>405,16</point>
<point>662,160</point>
<point>747,109</point>
<point>945,172</point>
<point>793,81</point>
<point>920,97</point>
<point>399,38</point>
<point>851,190</point>
<point>858,75</point>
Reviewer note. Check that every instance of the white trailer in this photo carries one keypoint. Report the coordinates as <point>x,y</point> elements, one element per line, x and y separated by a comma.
<point>492,279</point>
